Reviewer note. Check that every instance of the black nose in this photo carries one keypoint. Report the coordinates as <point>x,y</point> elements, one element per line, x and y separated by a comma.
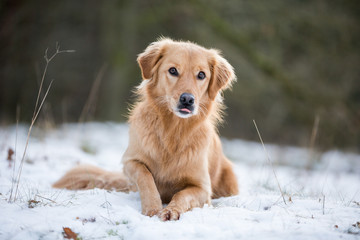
<point>187,99</point>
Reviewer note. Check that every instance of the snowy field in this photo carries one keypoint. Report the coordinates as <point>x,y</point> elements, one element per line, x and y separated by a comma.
<point>322,195</point>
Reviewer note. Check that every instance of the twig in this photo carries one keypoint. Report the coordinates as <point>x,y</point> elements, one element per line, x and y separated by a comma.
<point>27,140</point>
<point>15,152</point>
<point>323,204</point>
<point>37,195</point>
<point>268,158</point>
<point>48,60</point>
<point>37,110</point>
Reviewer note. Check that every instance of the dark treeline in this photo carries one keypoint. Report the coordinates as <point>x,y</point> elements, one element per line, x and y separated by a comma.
<point>296,61</point>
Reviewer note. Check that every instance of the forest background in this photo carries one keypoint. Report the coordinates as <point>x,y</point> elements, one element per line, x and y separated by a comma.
<point>297,62</point>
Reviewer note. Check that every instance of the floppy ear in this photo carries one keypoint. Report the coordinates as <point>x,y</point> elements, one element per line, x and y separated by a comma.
<point>222,75</point>
<point>151,56</point>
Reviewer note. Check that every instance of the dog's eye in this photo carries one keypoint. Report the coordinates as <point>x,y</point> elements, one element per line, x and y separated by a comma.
<point>201,75</point>
<point>173,71</point>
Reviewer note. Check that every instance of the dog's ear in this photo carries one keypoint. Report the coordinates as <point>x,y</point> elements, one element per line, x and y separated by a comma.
<point>222,74</point>
<point>151,56</point>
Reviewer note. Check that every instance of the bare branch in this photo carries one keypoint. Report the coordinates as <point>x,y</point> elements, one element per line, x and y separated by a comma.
<point>37,110</point>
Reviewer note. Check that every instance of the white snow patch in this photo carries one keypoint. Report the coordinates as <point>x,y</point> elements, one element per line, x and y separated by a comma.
<point>257,213</point>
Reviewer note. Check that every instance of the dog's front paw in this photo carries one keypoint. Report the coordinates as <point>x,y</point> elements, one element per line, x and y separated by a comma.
<point>151,208</point>
<point>151,212</point>
<point>169,214</point>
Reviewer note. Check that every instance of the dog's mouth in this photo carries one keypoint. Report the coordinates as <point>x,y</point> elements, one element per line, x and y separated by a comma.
<point>185,110</point>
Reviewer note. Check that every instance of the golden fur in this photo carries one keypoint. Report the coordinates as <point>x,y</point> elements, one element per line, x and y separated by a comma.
<point>172,157</point>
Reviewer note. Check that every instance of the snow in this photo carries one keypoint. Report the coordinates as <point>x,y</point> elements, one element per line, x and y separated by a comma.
<point>323,188</point>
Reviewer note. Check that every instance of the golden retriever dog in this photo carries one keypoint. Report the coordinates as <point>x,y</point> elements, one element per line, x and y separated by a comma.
<point>174,154</point>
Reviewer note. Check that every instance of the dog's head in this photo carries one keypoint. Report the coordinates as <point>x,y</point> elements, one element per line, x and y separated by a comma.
<point>184,77</point>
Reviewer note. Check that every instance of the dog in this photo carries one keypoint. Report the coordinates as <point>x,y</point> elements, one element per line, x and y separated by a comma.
<point>174,154</point>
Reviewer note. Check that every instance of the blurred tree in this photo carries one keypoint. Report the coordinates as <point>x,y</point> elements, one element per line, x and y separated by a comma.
<point>295,60</point>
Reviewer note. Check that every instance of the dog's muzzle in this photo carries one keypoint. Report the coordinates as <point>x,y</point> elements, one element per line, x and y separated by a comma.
<point>186,103</point>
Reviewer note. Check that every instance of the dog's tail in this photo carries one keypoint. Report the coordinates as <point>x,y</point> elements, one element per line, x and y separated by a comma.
<point>88,177</point>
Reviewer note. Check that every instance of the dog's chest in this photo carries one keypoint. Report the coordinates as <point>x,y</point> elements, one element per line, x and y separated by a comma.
<point>170,149</point>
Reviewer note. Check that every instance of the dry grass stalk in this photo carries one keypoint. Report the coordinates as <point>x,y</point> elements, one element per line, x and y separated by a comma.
<point>37,110</point>
<point>91,101</point>
<point>268,158</point>
<point>15,152</point>
<point>314,134</point>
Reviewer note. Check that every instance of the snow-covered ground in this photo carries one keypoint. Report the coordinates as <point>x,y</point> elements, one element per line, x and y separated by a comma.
<point>322,195</point>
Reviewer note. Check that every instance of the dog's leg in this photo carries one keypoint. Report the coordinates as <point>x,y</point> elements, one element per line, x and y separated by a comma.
<point>140,175</point>
<point>226,184</point>
<point>229,180</point>
<point>183,201</point>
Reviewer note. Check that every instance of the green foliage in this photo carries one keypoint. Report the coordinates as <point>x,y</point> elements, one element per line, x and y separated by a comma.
<point>294,60</point>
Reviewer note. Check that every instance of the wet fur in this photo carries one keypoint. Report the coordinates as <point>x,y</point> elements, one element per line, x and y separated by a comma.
<point>171,159</point>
